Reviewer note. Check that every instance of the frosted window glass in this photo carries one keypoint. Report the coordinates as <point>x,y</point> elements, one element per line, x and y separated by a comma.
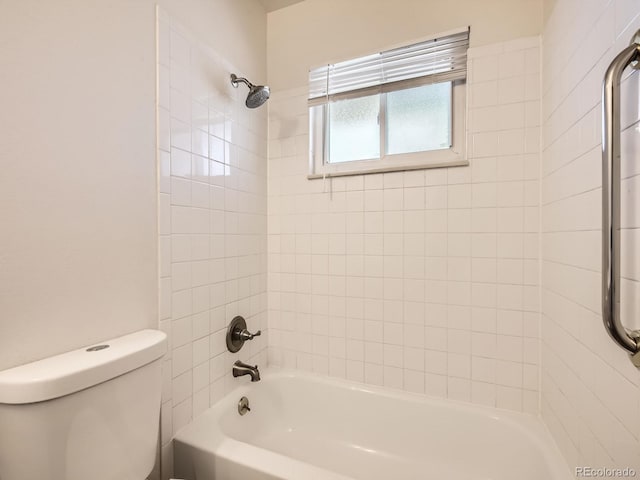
<point>354,132</point>
<point>419,119</point>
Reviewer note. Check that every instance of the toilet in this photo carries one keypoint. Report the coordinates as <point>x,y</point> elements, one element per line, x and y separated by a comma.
<point>92,413</point>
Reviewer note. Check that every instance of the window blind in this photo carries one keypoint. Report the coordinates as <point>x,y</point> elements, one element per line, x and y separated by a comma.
<point>440,59</point>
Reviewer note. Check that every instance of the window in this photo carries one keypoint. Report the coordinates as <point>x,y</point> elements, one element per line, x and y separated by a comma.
<point>400,109</point>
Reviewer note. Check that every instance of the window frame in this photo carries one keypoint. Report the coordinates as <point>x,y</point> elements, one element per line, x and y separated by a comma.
<point>438,58</point>
<point>455,155</point>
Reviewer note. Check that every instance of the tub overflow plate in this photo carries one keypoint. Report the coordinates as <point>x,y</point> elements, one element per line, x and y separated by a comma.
<point>243,406</point>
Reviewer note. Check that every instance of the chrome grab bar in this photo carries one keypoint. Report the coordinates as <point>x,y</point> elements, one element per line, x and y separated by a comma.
<point>611,200</point>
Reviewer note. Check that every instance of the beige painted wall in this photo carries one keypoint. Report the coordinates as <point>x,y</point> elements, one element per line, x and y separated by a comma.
<point>78,242</point>
<point>316,32</point>
<point>547,9</point>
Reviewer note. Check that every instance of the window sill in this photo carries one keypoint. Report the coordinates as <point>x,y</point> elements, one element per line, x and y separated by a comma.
<point>399,168</point>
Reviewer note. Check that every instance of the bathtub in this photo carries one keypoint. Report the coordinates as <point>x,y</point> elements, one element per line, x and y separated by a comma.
<point>306,427</point>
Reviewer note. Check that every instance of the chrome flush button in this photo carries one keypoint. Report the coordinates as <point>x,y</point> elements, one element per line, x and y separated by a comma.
<point>97,348</point>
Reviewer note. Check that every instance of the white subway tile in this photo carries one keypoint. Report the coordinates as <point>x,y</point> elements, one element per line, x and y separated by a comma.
<point>372,275</point>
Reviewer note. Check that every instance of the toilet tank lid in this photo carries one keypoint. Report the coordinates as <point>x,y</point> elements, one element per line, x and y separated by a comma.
<point>73,371</point>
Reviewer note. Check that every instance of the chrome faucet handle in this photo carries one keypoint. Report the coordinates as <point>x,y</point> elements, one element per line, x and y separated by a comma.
<point>247,335</point>
<point>237,334</point>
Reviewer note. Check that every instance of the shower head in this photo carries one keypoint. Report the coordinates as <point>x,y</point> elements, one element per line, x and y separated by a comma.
<point>258,94</point>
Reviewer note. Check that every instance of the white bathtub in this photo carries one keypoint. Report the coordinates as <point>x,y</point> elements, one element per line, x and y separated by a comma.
<point>303,427</point>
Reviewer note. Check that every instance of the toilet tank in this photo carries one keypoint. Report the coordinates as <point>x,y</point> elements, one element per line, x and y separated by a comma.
<point>92,413</point>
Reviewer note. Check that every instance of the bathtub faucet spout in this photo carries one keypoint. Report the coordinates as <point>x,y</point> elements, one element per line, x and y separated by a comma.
<point>240,369</point>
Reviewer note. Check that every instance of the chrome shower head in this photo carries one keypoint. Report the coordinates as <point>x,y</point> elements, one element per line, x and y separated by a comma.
<point>258,94</point>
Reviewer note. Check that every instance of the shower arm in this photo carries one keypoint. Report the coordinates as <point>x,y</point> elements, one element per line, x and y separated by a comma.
<point>611,178</point>
<point>235,79</point>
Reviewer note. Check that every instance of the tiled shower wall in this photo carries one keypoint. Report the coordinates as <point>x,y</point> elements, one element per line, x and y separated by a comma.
<point>426,280</point>
<point>590,390</point>
<point>213,223</point>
